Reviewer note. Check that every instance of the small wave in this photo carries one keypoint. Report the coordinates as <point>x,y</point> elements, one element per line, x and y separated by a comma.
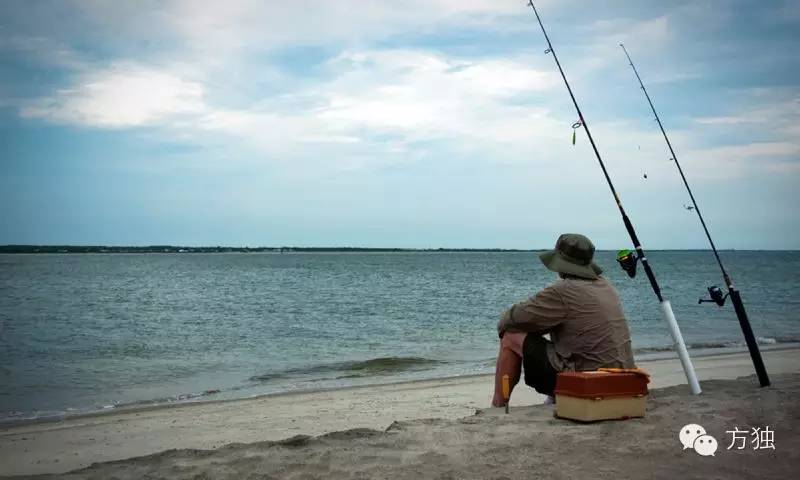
<point>728,344</point>
<point>353,369</point>
<point>12,417</point>
<point>652,349</point>
<point>175,398</point>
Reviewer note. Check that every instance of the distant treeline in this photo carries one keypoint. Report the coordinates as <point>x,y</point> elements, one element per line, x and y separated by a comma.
<point>177,249</point>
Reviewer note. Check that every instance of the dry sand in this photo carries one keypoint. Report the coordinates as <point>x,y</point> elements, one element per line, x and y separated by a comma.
<point>458,444</point>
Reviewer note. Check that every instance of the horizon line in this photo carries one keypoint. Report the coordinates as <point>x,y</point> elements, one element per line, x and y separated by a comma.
<point>169,248</point>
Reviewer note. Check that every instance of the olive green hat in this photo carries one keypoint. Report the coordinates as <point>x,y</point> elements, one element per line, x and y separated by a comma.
<point>573,256</point>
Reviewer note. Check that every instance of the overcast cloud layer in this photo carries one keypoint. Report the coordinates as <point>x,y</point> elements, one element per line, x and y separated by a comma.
<point>404,124</point>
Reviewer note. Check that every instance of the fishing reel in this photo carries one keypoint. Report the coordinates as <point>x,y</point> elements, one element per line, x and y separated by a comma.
<point>627,261</point>
<point>716,296</point>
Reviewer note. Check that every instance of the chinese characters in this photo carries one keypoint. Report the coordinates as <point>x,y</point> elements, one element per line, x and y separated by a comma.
<point>760,438</point>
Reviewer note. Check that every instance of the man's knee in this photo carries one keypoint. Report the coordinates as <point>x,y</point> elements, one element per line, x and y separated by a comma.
<point>513,341</point>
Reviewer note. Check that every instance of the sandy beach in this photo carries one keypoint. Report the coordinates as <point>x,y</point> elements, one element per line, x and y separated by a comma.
<point>428,429</point>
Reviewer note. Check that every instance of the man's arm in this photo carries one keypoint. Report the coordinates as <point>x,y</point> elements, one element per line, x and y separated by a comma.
<point>538,314</point>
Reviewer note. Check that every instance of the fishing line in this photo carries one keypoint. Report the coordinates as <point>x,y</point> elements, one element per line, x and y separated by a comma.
<point>714,292</point>
<point>631,259</point>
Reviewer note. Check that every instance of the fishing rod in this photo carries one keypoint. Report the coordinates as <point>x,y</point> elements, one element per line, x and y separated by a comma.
<point>628,260</point>
<point>714,291</point>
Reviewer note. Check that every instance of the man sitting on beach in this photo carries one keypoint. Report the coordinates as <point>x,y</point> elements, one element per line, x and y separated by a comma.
<point>581,312</point>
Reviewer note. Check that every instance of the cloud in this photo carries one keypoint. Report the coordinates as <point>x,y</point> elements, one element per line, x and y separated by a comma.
<point>123,95</point>
<point>41,50</point>
<point>403,103</point>
<point>756,150</point>
<point>732,161</point>
<point>370,103</point>
<point>238,26</point>
<point>368,114</point>
<point>425,94</point>
<point>366,104</point>
<point>604,36</point>
<point>728,120</point>
<point>778,110</point>
<point>791,168</point>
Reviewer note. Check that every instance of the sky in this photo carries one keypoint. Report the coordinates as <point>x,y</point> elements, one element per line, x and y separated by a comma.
<point>404,123</point>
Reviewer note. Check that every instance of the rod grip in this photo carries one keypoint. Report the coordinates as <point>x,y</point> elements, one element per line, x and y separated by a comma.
<point>749,337</point>
<point>680,345</point>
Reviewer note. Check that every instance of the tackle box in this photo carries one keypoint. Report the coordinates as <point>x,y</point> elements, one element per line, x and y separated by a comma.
<point>601,395</point>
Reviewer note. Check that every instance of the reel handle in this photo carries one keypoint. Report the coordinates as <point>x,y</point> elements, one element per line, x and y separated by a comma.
<point>716,296</point>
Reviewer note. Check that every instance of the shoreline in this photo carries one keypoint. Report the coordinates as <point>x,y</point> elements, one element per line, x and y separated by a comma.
<point>146,406</point>
<point>59,446</point>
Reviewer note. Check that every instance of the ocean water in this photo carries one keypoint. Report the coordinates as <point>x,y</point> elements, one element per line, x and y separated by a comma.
<point>89,332</point>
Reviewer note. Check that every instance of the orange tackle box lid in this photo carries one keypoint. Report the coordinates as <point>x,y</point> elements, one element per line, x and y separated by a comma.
<point>602,384</point>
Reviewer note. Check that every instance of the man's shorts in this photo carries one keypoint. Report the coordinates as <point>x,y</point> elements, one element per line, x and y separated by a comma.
<point>539,373</point>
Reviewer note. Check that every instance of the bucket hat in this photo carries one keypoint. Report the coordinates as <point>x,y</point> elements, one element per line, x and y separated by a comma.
<point>573,256</point>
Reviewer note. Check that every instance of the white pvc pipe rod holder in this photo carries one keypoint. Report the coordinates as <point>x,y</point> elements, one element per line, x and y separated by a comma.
<point>680,346</point>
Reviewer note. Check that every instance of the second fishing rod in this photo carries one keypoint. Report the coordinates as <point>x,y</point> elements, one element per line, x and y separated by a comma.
<point>714,292</point>
<point>629,262</point>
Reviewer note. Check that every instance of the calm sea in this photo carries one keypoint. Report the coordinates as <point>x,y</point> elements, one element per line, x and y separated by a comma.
<point>99,331</point>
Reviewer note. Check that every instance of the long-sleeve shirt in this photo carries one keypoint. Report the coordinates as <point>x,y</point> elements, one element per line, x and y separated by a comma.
<point>584,319</point>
